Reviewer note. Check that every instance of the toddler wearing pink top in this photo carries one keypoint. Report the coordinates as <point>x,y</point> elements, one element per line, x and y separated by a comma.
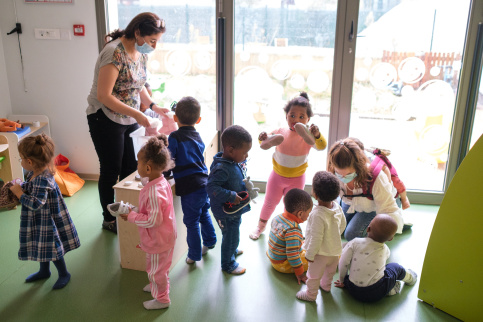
<point>155,219</point>
<point>292,146</point>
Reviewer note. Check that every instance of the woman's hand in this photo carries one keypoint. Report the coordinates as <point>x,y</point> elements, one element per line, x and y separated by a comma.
<point>263,136</point>
<point>17,190</point>
<point>314,129</point>
<point>141,119</point>
<point>160,110</point>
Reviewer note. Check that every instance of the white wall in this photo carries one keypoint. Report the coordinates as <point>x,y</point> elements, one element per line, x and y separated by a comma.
<point>58,73</point>
<point>5,106</point>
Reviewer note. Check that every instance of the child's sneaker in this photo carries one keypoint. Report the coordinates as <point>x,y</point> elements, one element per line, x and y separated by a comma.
<point>189,261</point>
<point>110,225</point>
<point>411,277</point>
<point>305,133</point>
<point>272,140</point>
<point>155,305</point>
<point>147,288</point>
<point>205,249</point>
<point>238,271</point>
<point>231,208</point>
<point>119,208</point>
<point>396,289</point>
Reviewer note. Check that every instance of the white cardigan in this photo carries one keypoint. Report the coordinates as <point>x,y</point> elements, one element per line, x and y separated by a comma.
<point>384,203</point>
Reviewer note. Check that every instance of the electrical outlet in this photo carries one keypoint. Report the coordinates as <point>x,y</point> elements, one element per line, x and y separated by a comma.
<point>42,33</point>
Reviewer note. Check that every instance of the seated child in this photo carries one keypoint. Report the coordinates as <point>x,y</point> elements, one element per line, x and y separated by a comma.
<point>377,156</point>
<point>227,191</point>
<point>286,238</point>
<point>155,219</point>
<point>322,236</point>
<point>191,175</point>
<point>370,279</point>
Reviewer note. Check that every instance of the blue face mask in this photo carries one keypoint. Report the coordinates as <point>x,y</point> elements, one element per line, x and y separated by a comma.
<point>145,48</point>
<point>347,178</point>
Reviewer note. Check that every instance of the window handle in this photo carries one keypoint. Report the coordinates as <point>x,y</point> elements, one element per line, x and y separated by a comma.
<point>351,33</point>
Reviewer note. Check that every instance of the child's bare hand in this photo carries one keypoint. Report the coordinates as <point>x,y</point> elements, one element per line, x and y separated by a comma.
<point>301,278</point>
<point>17,190</point>
<point>339,284</point>
<point>124,216</point>
<point>263,136</point>
<point>238,199</point>
<point>314,129</point>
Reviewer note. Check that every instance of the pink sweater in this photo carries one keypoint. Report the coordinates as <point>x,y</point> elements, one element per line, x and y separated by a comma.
<point>156,221</point>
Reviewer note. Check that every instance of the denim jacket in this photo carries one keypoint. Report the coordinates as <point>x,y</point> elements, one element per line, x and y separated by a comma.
<point>225,180</point>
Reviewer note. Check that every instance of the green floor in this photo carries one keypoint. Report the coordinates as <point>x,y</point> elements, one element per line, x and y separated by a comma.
<point>101,291</point>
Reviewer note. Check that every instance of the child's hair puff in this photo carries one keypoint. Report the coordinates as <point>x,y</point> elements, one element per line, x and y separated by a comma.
<point>326,186</point>
<point>40,150</point>
<point>297,200</point>
<point>301,100</point>
<point>156,152</point>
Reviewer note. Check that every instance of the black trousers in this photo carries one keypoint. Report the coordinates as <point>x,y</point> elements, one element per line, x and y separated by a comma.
<point>115,150</point>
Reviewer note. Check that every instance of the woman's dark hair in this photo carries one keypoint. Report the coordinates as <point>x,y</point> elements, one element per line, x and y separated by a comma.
<point>346,153</point>
<point>326,186</point>
<point>301,100</point>
<point>40,150</point>
<point>147,23</point>
<point>297,200</point>
<point>156,151</point>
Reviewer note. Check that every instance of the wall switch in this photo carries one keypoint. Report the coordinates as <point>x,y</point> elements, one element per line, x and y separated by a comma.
<point>65,34</point>
<point>42,33</point>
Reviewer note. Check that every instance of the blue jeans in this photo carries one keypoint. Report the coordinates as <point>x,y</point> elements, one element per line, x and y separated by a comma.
<point>393,272</point>
<point>230,228</point>
<point>195,214</point>
<point>357,222</point>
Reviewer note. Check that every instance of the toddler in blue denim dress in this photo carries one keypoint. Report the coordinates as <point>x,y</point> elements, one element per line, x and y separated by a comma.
<point>227,191</point>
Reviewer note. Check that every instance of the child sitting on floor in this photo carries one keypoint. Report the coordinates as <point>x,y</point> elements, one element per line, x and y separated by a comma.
<point>322,236</point>
<point>286,238</point>
<point>370,279</point>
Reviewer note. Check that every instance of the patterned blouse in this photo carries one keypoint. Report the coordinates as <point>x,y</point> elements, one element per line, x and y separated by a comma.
<point>46,229</point>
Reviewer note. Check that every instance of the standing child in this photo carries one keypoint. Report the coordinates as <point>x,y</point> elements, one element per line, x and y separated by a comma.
<point>322,236</point>
<point>191,175</point>
<point>46,229</point>
<point>155,219</point>
<point>290,157</point>
<point>227,192</point>
<point>286,238</point>
<point>370,279</point>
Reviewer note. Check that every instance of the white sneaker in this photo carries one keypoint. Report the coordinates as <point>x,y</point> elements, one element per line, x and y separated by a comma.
<point>305,133</point>
<point>155,305</point>
<point>147,288</point>
<point>256,233</point>
<point>272,140</point>
<point>396,289</point>
<point>119,208</point>
<point>411,277</point>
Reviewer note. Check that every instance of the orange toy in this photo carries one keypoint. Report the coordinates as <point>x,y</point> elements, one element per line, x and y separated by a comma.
<point>8,126</point>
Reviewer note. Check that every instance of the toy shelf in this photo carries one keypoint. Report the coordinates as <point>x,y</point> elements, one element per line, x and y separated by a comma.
<point>10,166</point>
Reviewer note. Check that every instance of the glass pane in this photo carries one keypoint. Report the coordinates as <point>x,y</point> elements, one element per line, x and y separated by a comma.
<point>408,60</point>
<point>183,63</point>
<point>282,48</point>
<point>478,121</point>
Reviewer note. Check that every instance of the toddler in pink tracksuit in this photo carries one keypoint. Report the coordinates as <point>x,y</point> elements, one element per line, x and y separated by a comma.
<point>155,219</point>
<point>290,157</point>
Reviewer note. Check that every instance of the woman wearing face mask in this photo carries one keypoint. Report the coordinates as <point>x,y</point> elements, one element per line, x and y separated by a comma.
<point>114,101</point>
<point>350,164</point>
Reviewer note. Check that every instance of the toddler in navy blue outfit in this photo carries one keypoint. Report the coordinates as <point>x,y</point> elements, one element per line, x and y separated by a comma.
<point>190,175</point>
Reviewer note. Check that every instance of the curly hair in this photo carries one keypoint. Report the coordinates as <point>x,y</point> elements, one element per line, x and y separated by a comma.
<point>188,110</point>
<point>156,151</point>
<point>147,23</point>
<point>301,100</point>
<point>346,153</point>
<point>235,136</point>
<point>297,200</point>
<point>40,150</point>
<point>326,186</point>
